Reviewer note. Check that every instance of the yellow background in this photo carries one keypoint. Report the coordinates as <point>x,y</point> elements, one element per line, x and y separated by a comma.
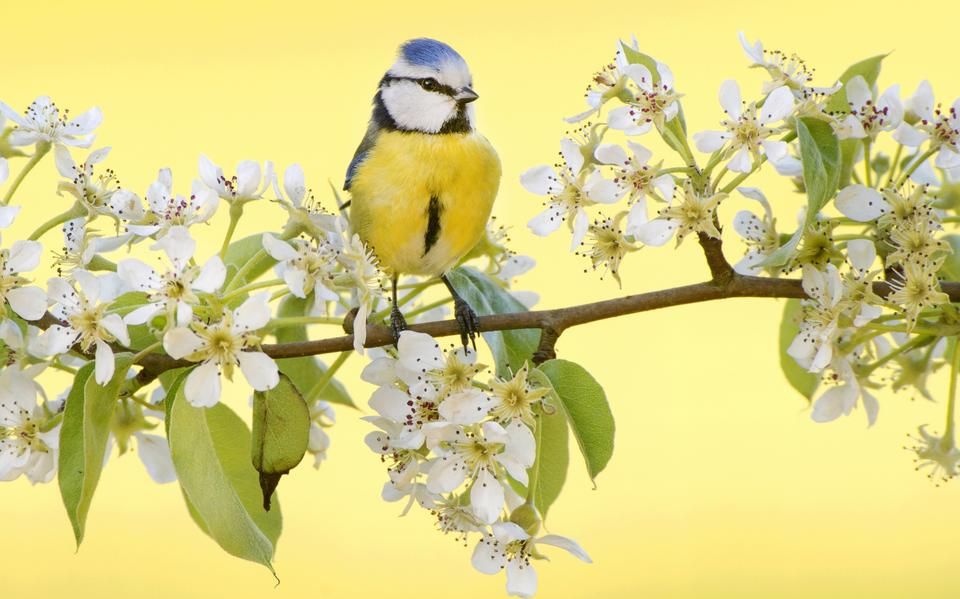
<point>720,485</point>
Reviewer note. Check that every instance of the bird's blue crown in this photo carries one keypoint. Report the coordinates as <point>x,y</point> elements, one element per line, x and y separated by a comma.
<point>429,53</point>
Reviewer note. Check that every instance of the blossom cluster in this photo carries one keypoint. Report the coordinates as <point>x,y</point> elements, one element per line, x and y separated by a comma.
<point>461,449</point>
<point>130,278</point>
<point>871,254</point>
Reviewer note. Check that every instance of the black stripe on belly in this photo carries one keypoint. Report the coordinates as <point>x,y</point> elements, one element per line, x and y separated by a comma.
<point>433,225</point>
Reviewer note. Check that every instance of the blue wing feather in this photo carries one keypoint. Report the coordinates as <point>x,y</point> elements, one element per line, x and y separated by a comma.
<point>366,144</point>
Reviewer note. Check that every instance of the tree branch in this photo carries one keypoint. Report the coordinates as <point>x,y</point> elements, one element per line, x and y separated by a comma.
<point>725,284</point>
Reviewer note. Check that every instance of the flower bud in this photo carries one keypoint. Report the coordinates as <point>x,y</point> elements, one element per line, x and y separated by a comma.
<point>528,518</point>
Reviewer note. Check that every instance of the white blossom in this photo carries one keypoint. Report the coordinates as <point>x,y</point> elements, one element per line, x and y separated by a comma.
<point>654,101</point>
<point>28,446</point>
<point>510,548</point>
<point>174,292</point>
<point>221,346</point>
<point>570,188</point>
<point>250,182</point>
<point>747,129</point>
<point>307,267</point>
<point>81,306</point>
<point>166,209</point>
<point>42,122</point>
<point>28,301</point>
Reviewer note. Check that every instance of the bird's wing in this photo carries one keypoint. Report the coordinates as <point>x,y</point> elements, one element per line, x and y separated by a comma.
<point>366,144</point>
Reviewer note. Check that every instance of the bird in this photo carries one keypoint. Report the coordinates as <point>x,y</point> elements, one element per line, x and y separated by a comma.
<point>423,181</point>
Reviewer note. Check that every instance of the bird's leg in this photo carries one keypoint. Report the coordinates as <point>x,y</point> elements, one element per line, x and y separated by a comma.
<point>397,321</point>
<point>466,317</point>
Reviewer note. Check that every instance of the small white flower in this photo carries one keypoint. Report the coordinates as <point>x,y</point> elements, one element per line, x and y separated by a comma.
<point>172,292</point>
<point>100,194</point>
<point>570,188</point>
<point>81,245</point>
<point>508,547</point>
<point>609,83</point>
<point>747,129</point>
<point>82,310</point>
<point>840,400</point>
<point>940,126</point>
<point>244,186</point>
<point>303,210</point>
<point>868,115</point>
<point>695,213</point>
<point>812,348</point>
<point>362,274</point>
<point>483,454</point>
<point>634,173</point>
<point>654,101</point>
<point>28,301</point>
<point>758,232</point>
<point>220,347</point>
<point>307,267</point>
<point>42,122</point>
<point>25,447</point>
<point>168,210</point>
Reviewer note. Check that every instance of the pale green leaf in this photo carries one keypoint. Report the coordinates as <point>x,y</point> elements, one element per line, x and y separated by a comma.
<point>553,453</point>
<point>511,349</point>
<point>820,157</point>
<point>83,439</point>
<point>583,400</point>
<point>210,449</point>
<point>868,68</point>
<point>248,254</point>
<point>804,382</point>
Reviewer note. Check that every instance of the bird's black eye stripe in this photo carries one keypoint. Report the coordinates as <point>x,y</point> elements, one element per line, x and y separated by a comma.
<point>428,83</point>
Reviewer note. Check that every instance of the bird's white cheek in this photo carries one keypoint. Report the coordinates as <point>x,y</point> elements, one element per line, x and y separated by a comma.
<point>417,109</point>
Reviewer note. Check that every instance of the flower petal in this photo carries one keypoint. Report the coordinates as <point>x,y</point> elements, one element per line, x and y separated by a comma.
<point>29,302</point>
<point>730,98</point>
<point>861,203</point>
<point>569,545</point>
<point>154,452</point>
<point>259,369</point>
<point>202,388</point>
<point>486,497</point>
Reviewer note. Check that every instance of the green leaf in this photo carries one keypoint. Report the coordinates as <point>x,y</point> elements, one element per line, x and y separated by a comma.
<point>83,439</point>
<point>281,432</point>
<point>868,68</point>
<point>820,157</point>
<point>585,404</point>
<point>210,449</point>
<point>246,253</point>
<point>305,371</point>
<point>804,382</point>
<point>553,452</point>
<point>554,460</point>
<point>511,349</point>
<point>637,57</point>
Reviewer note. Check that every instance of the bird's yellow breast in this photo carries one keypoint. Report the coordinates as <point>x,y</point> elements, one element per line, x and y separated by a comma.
<point>392,191</point>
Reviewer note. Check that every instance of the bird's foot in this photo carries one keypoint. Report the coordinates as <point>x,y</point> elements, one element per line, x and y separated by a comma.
<point>468,321</point>
<point>397,323</point>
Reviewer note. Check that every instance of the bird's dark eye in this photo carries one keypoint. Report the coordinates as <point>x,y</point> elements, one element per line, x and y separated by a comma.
<point>429,84</point>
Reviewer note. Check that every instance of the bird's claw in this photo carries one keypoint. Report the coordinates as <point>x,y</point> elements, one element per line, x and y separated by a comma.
<point>397,323</point>
<point>468,321</point>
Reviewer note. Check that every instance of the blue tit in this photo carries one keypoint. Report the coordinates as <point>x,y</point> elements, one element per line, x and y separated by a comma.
<point>423,180</point>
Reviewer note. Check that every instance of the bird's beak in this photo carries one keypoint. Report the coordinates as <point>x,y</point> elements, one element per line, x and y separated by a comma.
<point>465,95</point>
